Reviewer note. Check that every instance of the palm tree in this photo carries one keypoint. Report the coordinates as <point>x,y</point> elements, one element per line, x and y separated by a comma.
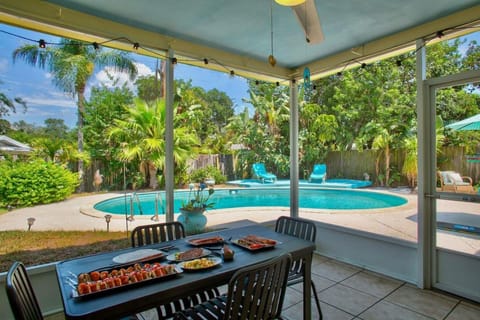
<point>72,63</point>
<point>142,135</point>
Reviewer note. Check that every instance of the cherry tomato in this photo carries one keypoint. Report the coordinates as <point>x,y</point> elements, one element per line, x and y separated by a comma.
<point>95,275</point>
<point>83,288</point>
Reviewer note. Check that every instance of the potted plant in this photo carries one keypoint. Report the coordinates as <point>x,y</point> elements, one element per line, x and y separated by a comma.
<point>192,210</point>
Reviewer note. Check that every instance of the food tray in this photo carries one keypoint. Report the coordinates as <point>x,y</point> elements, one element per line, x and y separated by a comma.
<point>205,241</point>
<point>255,243</point>
<point>216,261</point>
<point>121,278</point>
<point>173,256</point>
<point>138,256</point>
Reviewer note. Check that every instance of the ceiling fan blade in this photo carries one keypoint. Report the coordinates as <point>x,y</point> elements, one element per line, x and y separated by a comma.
<point>307,15</point>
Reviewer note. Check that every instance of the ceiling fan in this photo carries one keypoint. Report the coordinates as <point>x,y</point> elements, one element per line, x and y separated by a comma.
<point>306,13</point>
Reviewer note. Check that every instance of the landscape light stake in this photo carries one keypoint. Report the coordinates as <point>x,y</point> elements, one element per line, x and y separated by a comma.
<point>30,222</point>
<point>108,217</point>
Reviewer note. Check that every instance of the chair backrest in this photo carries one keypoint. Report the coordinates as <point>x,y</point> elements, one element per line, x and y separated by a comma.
<point>300,228</point>
<point>20,294</point>
<point>297,227</point>
<point>320,168</point>
<point>259,168</point>
<point>258,290</point>
<point>156,233</point>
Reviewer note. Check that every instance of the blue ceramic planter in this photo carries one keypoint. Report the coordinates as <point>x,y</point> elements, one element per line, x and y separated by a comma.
<point>193,221</point>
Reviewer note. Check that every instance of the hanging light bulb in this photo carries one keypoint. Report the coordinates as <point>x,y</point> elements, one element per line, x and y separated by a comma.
<point>42,44</point>
<point>289,3</point>
<point>271,59</point>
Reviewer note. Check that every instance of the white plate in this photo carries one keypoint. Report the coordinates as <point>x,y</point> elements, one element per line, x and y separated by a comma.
<point>172,257</point>
<point>138,255</point>
<point>216,261</point>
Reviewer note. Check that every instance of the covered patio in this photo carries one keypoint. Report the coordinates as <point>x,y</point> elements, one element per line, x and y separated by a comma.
<point>238,37</point>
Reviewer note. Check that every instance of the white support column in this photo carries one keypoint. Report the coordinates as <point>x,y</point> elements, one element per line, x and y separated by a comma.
<point>169,176</point>
<point>425,206</point>
<point>294,176</point>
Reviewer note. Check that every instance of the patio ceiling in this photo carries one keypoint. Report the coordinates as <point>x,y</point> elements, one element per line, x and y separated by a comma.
<point>235,35</point>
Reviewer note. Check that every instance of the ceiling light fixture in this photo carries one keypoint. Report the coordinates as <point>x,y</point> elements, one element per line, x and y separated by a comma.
<point>42,44</point>
<point>289,3</point>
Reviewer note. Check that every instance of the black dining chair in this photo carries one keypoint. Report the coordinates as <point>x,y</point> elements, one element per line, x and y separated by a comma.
<point>158,233</point>
<point>254,292</point>
<point>20,294</point>
<point>306,230</point>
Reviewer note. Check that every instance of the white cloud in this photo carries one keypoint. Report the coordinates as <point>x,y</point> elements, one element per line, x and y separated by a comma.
<point>110,78</point>
<point>57,100</point>
<point>3,65</point>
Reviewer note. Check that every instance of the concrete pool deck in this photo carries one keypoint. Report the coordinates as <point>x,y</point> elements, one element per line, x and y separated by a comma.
<point>398,222</point>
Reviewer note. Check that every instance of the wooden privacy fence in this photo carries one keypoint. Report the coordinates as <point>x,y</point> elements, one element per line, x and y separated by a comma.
<point>353,164</point>
<point>340,164</point>
<point>455,159</point>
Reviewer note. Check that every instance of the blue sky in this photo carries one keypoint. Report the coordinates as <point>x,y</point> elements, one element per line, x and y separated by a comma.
<point>45,101</point>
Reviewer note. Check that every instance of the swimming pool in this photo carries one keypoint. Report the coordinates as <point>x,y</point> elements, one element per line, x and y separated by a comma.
<point>144,203</point>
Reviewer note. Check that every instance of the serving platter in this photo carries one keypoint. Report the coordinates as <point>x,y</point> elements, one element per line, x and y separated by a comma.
<point>192,266</point>
<point>138,256</point>
<point>255,243</point>
<point>205,241</point>
<point>108,281</point>
<point>174,256</point>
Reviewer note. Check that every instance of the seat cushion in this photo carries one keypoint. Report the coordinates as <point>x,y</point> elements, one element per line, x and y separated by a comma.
<point>446,176</point>
<point>456,178</point>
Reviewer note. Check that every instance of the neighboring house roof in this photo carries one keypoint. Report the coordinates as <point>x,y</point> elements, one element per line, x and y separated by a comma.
<point>10,145</point>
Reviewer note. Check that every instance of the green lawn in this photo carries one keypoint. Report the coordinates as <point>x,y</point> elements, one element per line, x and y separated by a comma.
<point>39,247</point>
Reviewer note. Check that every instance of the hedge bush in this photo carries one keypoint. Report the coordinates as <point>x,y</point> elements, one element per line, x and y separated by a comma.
<point>201,174</point>
<point>25,184</point>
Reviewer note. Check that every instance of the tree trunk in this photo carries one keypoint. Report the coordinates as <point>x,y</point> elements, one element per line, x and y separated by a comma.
<point>81,111</point>
<point>152,170</point>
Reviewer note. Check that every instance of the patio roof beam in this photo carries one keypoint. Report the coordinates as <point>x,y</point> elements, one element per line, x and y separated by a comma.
<point>452,26</point>
<point>52,19</point>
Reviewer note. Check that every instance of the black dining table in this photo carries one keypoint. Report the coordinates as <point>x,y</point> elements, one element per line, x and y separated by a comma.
<point>120,302</point>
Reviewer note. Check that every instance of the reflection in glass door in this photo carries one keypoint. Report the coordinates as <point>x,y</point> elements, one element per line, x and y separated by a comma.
<point>456,193</point>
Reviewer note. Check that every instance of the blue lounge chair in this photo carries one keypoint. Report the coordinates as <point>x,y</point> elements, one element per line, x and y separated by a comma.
<point>259,172</point>
<point>319,173</point>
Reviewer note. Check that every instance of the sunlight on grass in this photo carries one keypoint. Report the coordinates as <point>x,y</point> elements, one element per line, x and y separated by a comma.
<point>39,247</point>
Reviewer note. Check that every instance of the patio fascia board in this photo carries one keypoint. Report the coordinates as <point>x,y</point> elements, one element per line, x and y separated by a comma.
<point>395,44</point>
<point>63,22</point>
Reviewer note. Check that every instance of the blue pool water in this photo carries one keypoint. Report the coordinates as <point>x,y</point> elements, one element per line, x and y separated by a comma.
<point>345,199</point>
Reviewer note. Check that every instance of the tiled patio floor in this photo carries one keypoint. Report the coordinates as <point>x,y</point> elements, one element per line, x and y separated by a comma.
<point>347,292</point>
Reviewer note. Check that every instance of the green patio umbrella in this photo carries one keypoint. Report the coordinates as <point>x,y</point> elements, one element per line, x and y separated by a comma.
<point>472,123</point>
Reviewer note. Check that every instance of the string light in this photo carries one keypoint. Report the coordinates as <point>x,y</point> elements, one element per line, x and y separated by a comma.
<point>43,44</point>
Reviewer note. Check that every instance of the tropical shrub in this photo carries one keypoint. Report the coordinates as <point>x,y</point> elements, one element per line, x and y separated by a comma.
<point>38,182</point>
<point>208,172</point>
